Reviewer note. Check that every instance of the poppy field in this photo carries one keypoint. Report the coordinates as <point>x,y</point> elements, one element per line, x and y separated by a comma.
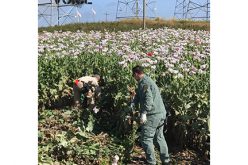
<point>177,59</point>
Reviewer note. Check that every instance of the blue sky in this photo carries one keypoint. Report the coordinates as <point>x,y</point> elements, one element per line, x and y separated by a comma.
<point>163,8</point>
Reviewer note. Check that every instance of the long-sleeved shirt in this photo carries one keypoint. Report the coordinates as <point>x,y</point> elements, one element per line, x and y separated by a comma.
<point>90,80</point>
<point>149,97</point>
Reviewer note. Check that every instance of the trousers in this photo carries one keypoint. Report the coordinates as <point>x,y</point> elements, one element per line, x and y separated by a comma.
<point>152,135</point>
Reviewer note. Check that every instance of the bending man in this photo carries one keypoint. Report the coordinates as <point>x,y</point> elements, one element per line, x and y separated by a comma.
<point>89,87</point>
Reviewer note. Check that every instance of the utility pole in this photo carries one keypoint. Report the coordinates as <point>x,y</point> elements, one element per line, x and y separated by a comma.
<point>137,9</point>
<point>144,14</point>
<point>106,16</point>
<point>207,17</point>
<point>58,13</point>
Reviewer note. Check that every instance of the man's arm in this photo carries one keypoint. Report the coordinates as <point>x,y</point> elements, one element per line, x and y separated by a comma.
<point>136,98</point>
<point>148,99</point>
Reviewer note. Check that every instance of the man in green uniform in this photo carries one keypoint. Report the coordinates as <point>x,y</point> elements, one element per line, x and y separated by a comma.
<point>153,115</point>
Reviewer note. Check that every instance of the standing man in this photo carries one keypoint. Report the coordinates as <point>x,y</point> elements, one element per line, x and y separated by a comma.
<point>153,115</point>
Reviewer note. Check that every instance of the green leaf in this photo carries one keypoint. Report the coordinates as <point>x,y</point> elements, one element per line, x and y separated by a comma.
<point>187,106</point>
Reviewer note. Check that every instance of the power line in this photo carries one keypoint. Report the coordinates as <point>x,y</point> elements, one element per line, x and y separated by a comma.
<point>56,12</point>
<point>134,9</point>
<point>106,16</point>
<point>190,9</point>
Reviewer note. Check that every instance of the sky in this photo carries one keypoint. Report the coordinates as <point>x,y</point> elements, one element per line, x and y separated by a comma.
<point>106,10</point>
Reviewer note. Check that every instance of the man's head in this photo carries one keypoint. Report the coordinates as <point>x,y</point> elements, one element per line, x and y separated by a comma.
<point>138,72</point>
<point>97,77</point>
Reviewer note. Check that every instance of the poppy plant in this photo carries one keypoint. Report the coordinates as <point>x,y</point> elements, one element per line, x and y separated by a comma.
<point>149,54</point>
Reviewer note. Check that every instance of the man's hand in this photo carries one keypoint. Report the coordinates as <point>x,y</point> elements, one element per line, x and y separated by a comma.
<point>131,91</point>
<point>143,118</point>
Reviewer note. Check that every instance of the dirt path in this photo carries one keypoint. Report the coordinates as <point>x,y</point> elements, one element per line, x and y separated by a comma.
<point>181,157</point>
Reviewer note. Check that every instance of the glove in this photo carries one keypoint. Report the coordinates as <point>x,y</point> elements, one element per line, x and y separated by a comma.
<point>143,118</point>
